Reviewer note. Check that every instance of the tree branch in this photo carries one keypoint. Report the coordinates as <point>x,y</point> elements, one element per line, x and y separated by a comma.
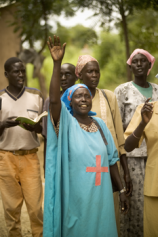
<point>46,28</point>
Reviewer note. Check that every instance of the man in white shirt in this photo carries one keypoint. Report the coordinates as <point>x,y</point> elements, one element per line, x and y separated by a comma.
<point>20,177</point>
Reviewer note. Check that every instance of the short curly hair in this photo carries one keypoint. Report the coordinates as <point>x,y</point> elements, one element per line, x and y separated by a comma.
<point>9,62</point>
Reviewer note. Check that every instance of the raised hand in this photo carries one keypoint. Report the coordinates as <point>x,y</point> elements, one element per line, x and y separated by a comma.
<point>147,111</point>
<point>56,51</point>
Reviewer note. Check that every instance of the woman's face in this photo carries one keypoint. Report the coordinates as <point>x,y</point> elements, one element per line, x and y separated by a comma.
<point>81,101</point>
<point>90,74</point>
<point>140,65</point>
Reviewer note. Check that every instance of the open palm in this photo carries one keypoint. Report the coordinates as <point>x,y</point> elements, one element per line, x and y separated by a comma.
<point>56,51</point>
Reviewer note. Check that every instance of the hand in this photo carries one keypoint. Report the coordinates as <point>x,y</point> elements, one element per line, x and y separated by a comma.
<point>10,122</point>
<point>129,185</point>
<point>28,127</point>
<point>147,111</point>
<point>57,52</point>
<point>124,203</point>
<point>37,128</point>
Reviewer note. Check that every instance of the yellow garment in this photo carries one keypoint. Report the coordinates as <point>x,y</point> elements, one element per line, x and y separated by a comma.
<point>117,211</point>
<point>20,180</point>
<point>150,216</point>
<point>103,112</point>
<point>150,134</point>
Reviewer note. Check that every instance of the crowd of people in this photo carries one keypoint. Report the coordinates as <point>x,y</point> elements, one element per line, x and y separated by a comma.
<point>99,154</point>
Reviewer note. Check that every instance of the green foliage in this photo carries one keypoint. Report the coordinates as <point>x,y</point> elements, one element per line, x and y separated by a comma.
<point>78,35</point>
<point>105,8</point>
<point>47,70</point>
<point>31,18</point>
<point>107,48</point>
<point>79,41</point>
<point>108,44</point>
<point>63,33</point>
<point>144,33</point>
<point>81,36</point>
<point>31,82</point>
<point>110,54</point>
<point>71,56</point>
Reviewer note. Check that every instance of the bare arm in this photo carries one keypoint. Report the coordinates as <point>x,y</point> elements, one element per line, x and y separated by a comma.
<point>57,53</point>
<point>127,178</point>
<point>132,141</point>
<point>121,141</point>
<point>117,181</point>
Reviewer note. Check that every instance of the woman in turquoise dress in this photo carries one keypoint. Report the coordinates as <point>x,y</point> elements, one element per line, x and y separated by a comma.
<point>78,189</point>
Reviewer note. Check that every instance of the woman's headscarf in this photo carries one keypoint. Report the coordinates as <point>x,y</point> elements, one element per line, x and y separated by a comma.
<point>67,97</point>
<point>144,52</point>
<point>82,61</point>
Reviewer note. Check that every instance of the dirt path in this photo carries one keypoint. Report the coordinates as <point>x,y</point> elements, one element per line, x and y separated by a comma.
<point>25,223</point>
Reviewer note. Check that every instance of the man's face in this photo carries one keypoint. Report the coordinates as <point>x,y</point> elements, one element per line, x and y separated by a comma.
<point>16,75</point>
<point>67,76</point>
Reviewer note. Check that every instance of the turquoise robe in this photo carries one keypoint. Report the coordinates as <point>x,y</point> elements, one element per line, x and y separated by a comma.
<point>75,204</point>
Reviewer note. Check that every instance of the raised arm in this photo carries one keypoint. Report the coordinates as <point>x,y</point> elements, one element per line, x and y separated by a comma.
<point>57,54</point>
<point>132,140</point>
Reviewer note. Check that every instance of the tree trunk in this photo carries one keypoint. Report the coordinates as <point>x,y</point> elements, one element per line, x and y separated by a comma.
<point>124,27</point>
<point>43,89</point>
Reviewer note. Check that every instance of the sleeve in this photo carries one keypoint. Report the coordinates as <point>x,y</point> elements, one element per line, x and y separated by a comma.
<point>56,128</point>
<point>118,126</point>
<point>44,119</point>
<point>65,115</point>
<point>135,121</point>
<point>120,100</point>
<point>40,105</point>
<point>111,148</point>
<point>112,151</point>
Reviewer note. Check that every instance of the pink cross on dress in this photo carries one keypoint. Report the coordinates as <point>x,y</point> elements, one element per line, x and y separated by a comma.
<point>98,169</point>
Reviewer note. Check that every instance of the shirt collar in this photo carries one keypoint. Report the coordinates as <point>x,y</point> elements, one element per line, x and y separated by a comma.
<point>13,96</point>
